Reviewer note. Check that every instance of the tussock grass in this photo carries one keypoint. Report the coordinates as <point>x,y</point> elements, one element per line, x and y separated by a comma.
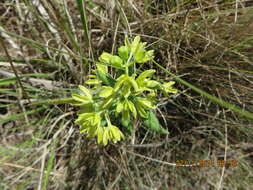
<point>206,45</point>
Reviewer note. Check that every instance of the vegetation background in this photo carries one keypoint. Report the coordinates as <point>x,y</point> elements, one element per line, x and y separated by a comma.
<point>49,46</point>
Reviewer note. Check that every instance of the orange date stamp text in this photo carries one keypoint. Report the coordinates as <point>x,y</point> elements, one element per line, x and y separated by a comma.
<point>206,163</point>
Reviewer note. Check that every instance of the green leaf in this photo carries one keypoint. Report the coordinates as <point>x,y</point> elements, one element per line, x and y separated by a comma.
<point>152,84</point>
<point>105,92</point>
<point>80,98</point>
<point>128,125</point>
<point>111,60</point>
<point>102,68</point>
<point>50,164</point>
<point>82,11</point>
<point>11,80</point>
<point>106,79</point>
<point>83,128</point>
<point>91,131</point>
<point>120,81</point>
<point>116,61</point>
<point>85,91</point>
<point>53,101</point>
<point>105,58</point>
<point>153,123</point>
<point>92,81</point>
<point>84,117</point>
<point>152,94</point>
<point>133,83</point>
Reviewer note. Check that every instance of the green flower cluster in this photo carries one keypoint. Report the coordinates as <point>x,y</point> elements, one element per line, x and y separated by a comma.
<point>124,96</point>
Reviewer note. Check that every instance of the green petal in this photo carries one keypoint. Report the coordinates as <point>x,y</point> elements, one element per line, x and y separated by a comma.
<point>141,111</point>
<point>106,136</point>
<point>116,133</point>
<point>132,108</point>
<point>123,52</point>
<point>139,56</point>
<point>168,87</point>
<point>135,44</point>
<point>96,119</point>
<point>144,75</point>
<point>100,134</point>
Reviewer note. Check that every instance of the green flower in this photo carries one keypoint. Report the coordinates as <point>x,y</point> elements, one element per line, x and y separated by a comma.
<point>115,134</point>
<point>111,60</point>
<point>89,123</point>
<point>140,55</point>
<point>85,97</point>
<point>168,87</point>
<point>123,52</point>
<point>109,133</point>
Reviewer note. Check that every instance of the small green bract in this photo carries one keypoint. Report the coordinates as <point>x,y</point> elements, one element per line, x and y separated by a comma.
<point>112,103</point>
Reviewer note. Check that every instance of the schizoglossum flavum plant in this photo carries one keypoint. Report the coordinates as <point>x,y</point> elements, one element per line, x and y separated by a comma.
<point>109,107</point>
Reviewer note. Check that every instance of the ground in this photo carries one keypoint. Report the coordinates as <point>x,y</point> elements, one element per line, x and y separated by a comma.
<point>48,48</point>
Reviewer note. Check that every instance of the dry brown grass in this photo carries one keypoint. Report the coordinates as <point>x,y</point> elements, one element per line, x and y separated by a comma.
<point>206,43</point>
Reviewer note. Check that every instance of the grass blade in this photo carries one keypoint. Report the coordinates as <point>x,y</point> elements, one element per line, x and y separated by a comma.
<point>80,4</point>
<point>53,101</point>
<point>50,164</point>
<point>207,95</point>
<point>20,115</point>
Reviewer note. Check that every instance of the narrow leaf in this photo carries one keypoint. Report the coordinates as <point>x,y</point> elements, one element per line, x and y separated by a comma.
<point>153,123</point>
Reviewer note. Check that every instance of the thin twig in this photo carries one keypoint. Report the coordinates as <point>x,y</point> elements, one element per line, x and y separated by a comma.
<point>28,168</point>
